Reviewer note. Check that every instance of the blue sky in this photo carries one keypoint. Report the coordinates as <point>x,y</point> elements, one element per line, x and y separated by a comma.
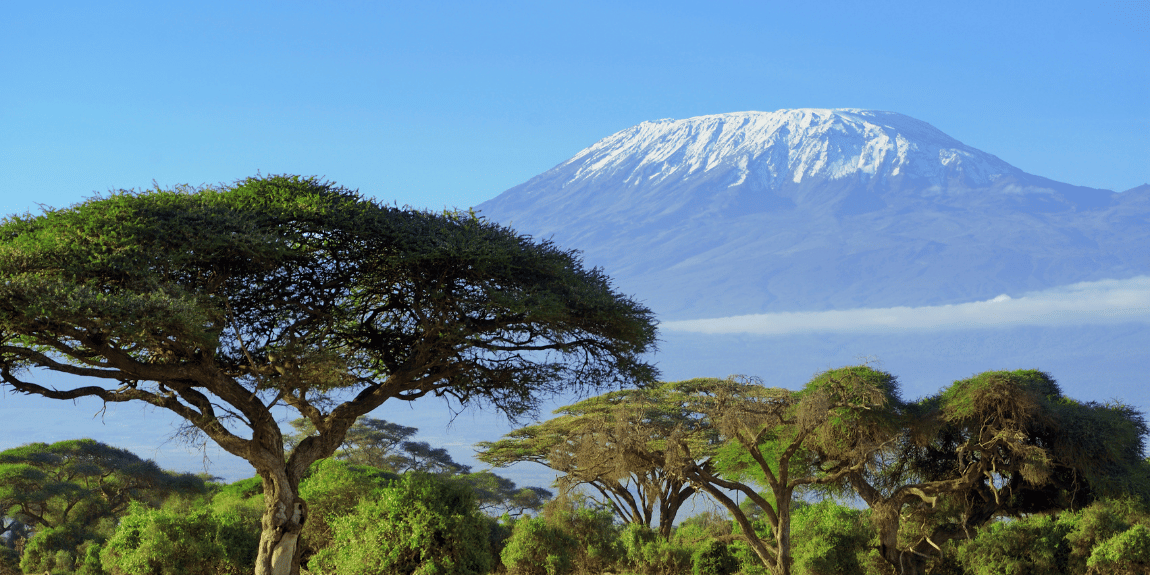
<point>435,104</point>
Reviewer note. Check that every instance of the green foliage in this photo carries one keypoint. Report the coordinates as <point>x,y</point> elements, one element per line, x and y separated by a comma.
<point>59,549</point>
<point>593,528</point>
<point>1107,537</point>
<point>713,558</point>
<point>1036,546</point>
<point>828,539</point>
<point>1090,527</point>
<point>9,561</point>
<point>243,499</point>
<point>81,481</point>
<point>646,552</point>
<point>1127,553</point>
<point>419,524</point>
<point>333,489</point>
<point>166,542</point>
<point>537,548</point>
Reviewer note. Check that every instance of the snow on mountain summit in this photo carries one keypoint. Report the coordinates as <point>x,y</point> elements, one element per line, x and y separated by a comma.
<point>786,145</point>
<point>755,212</point>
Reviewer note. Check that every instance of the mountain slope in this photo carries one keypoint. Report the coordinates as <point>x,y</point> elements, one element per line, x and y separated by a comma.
<point>820,209</point>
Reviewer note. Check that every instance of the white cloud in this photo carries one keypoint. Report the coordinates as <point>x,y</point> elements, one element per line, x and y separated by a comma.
<point>1100,302</point>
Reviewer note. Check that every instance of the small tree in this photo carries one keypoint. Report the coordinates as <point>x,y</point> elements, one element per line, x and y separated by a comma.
<point>583,445</point>
<point>81,481</point>
<point>219,303</point>
<point>384,445</point>
<point>738,436</point>
<point>70,493</point>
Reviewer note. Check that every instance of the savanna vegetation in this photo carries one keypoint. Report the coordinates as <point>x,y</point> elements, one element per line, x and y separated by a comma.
<point>1004,475</point>
<point>220,303</point>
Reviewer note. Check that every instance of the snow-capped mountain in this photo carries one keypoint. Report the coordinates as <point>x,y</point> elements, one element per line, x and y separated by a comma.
<point>812,209</point>
<point>787,145</point>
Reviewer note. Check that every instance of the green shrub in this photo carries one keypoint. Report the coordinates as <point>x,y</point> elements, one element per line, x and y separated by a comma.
<point>499,533</point>
<point>713,558</point>
<point>1035,545</point>
<point>166,542</point>
<point>55,550</point>
<point>420,524</point>
<point>593,528</point>
<point>333,489</point>
<point>826,539</point>
<point>537,548</point>
<point>9,561</point>
<point>646,552</point>
<point>705,525</point>
<point>1092,526</point>
<point>1127,553</point>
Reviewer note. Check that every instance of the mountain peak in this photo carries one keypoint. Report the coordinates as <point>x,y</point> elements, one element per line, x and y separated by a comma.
<point>750,212</point>
<point>792,145</point>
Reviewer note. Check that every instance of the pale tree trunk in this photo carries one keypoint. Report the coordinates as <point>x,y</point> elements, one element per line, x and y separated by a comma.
<point>783,535</point>
<point>283,519</point>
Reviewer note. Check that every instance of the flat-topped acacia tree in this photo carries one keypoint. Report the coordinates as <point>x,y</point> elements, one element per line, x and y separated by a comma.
<point>217,303</point>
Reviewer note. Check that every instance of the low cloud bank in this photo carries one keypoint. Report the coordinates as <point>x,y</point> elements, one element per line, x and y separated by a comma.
<point>1100,302</point>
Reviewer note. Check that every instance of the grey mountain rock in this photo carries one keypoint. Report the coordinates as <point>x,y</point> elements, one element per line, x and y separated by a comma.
<point>811,210</point>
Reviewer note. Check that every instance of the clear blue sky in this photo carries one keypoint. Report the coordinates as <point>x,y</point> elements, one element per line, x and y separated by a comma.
<point>438,104</point>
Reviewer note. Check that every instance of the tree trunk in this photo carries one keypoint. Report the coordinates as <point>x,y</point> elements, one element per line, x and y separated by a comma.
<point>886,518</point>
<point>283,519</point>
<point>783,535</point>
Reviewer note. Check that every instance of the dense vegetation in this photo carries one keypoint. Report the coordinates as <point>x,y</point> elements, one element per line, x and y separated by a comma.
<point>1061,488</point>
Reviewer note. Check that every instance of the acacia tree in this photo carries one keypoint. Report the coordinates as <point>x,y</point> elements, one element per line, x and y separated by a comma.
<point>73,491</point>
<point>993,445</point>
<point>583,445</point>
<point>384,445</point>
<point>219,303</point>
<point>764,443</point>
<point>80,481</point>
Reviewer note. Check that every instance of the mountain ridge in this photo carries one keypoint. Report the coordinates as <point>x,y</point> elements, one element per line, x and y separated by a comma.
<point>814,209</point>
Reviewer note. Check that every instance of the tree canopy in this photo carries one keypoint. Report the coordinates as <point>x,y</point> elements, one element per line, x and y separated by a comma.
<point>998,444</point>
<point>80,481</point>
<point>584,444</point>
<point>218,303</point>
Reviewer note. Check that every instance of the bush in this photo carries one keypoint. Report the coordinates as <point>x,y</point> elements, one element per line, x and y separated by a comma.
<point>420,524</point>
<point>593,528</point>
<point>1092,526</point>
<point>705,525</point>
<point>537,548</point>
<point>166,542</point>
<point>713,558</point>
<point>333,489</point>
<point>1127,553</point>
<point>9,561</point>
<point>61,550</point>
<point>1033,545</point>
<point>647,553</point>
<point>499,533</point>
<point>826,539</point>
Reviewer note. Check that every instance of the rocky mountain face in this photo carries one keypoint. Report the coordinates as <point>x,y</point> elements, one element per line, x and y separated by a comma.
<point>809,210</point>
